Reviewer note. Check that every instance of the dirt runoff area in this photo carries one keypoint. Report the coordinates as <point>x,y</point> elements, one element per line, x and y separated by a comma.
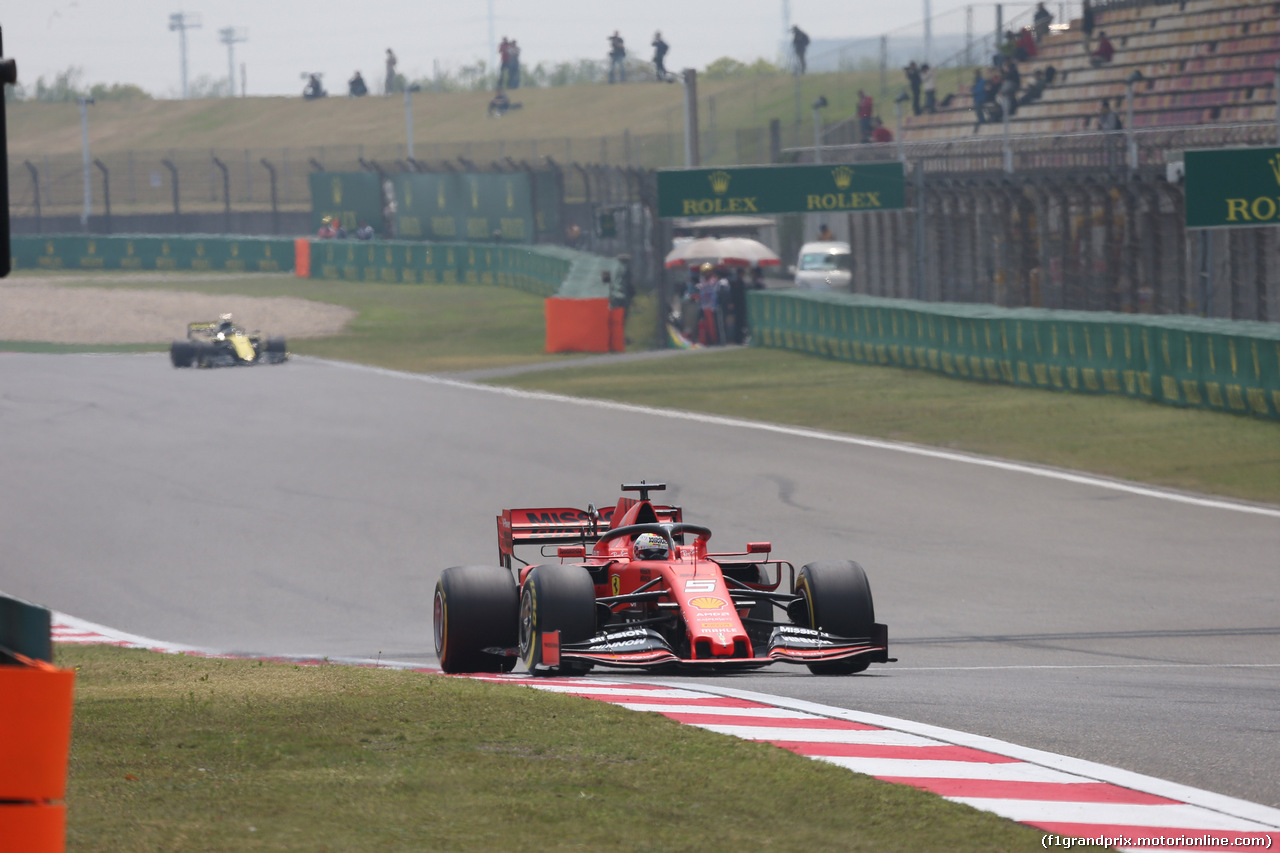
<point>40,309</point>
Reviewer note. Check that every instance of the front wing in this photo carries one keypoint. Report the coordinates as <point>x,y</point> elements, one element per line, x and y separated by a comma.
<point>644,647</point>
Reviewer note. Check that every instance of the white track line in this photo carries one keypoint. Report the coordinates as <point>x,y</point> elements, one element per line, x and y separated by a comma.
<point>1036,788</point>
<point>820,435</point>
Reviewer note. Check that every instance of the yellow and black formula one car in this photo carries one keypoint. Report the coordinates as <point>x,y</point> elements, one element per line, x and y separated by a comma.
<point>224,344</point>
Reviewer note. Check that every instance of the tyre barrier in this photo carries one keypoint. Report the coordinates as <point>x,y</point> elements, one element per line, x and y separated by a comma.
<point>35,733</point>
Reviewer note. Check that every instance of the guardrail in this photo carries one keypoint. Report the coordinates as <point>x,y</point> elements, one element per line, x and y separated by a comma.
<point>1228,365</point>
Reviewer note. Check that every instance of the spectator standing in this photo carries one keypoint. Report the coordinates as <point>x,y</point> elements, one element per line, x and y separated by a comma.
<point>660,49</point>
<point>1010,83</point>
<point>824,234</point>
<point>1108,119</point>
<point>391,72</point>
<point>865,108</point>
<point>979,92</point>
<point>799,43</point>
<point>913,80</point>
<point>737,321</point>
<point>1086,24</point>
<point>503,59</point>
<point>929,80</point>
<point>1042,19</point>
<point>1026,48</point>
<point>617,59</point>
<point>1105,52</point>
<point>708,293</point>
<point>356,86</point>
<point>513,65</point>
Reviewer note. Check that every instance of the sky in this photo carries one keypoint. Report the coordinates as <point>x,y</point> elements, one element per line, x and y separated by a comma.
<point>130,41</point>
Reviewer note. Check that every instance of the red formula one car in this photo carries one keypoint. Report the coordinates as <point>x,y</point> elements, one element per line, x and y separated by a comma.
<point>637,587</point>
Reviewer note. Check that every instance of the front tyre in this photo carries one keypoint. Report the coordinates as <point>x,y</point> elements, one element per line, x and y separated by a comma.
<point>555,598</point>
<point>475,611</point>
<point>836,599</point>
<point>182,353</point>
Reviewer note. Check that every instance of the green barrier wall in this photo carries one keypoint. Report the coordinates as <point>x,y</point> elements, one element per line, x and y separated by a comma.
<point>467,207</point>
<point>544,270</point>
<point>433,206</point>
<point>210,253</point>
<point>350,197</point>
<point>1183,361</point>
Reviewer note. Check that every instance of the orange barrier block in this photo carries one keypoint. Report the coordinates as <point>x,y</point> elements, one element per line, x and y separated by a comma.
<point>33,828</point>
<point>302,257</point>
<point>577,325</point>
<point>35,731</point>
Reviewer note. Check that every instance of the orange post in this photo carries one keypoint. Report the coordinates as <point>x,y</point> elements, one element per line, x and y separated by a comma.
<point>35,742</point>
<point>302,257</point>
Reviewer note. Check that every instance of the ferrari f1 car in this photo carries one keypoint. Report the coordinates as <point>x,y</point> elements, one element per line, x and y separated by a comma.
<point>636,586</point>
<point>224,344</point>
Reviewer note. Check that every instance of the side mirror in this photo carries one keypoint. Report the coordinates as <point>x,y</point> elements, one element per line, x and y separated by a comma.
<point>571,551</point>
<point>759,547</point>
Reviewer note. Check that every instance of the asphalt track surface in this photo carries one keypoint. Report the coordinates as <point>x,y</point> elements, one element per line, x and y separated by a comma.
<point>308,509</point>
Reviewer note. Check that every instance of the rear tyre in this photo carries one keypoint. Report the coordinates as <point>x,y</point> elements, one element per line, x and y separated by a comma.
<point>556,598</point>
<point>837,600</point>
<point>276,350</point>
<point>182,353</point>
<point>475,614</point>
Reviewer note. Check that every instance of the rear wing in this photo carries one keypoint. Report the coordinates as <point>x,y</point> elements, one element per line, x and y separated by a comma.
<point>193,328</point>
<point>561,526</point>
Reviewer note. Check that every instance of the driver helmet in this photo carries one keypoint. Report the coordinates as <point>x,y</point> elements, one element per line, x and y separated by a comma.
<point>651,546</point>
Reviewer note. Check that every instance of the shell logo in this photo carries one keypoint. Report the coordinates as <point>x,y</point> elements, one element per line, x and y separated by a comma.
<point>707,602</point>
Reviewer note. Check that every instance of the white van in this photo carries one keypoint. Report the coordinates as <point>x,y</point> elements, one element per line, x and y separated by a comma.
<point>824,266</point>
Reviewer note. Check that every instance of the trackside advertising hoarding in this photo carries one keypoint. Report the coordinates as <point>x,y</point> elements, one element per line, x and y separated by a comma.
<point>835,188</point>
<point>1233,187</point>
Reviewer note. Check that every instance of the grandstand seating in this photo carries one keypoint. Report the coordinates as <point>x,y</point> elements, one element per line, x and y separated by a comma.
<point>1201,62</point>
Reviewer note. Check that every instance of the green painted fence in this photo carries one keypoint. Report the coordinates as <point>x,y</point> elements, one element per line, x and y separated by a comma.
<point>1183,361</point>
<point>444,206</point>
<point>543,271</point>
<point>205,253</point>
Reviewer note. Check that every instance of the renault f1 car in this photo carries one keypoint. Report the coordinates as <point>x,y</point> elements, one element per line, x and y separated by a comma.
<point>636,586</point>
<point>224,344</point>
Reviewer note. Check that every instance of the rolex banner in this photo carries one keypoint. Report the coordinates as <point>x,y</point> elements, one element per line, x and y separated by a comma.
<point>1233,187</point>
<point>837,188</point>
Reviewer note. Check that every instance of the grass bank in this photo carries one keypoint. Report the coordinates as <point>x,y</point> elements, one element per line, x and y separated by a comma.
<point>178,753</point>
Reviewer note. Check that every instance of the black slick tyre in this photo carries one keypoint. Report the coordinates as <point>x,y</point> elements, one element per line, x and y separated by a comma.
<point>182,353</point>
<point>555,598</point>
<point>276,350</point>
<point>837,600</point>
<point>474,614</point>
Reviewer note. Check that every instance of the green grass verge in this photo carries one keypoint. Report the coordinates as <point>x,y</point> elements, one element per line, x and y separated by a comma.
<point>178,753</point>
<point>437,328</point>
<point>1189,449</point>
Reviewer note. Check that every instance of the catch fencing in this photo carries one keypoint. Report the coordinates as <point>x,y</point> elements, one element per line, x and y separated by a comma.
<point>1086,221</point>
